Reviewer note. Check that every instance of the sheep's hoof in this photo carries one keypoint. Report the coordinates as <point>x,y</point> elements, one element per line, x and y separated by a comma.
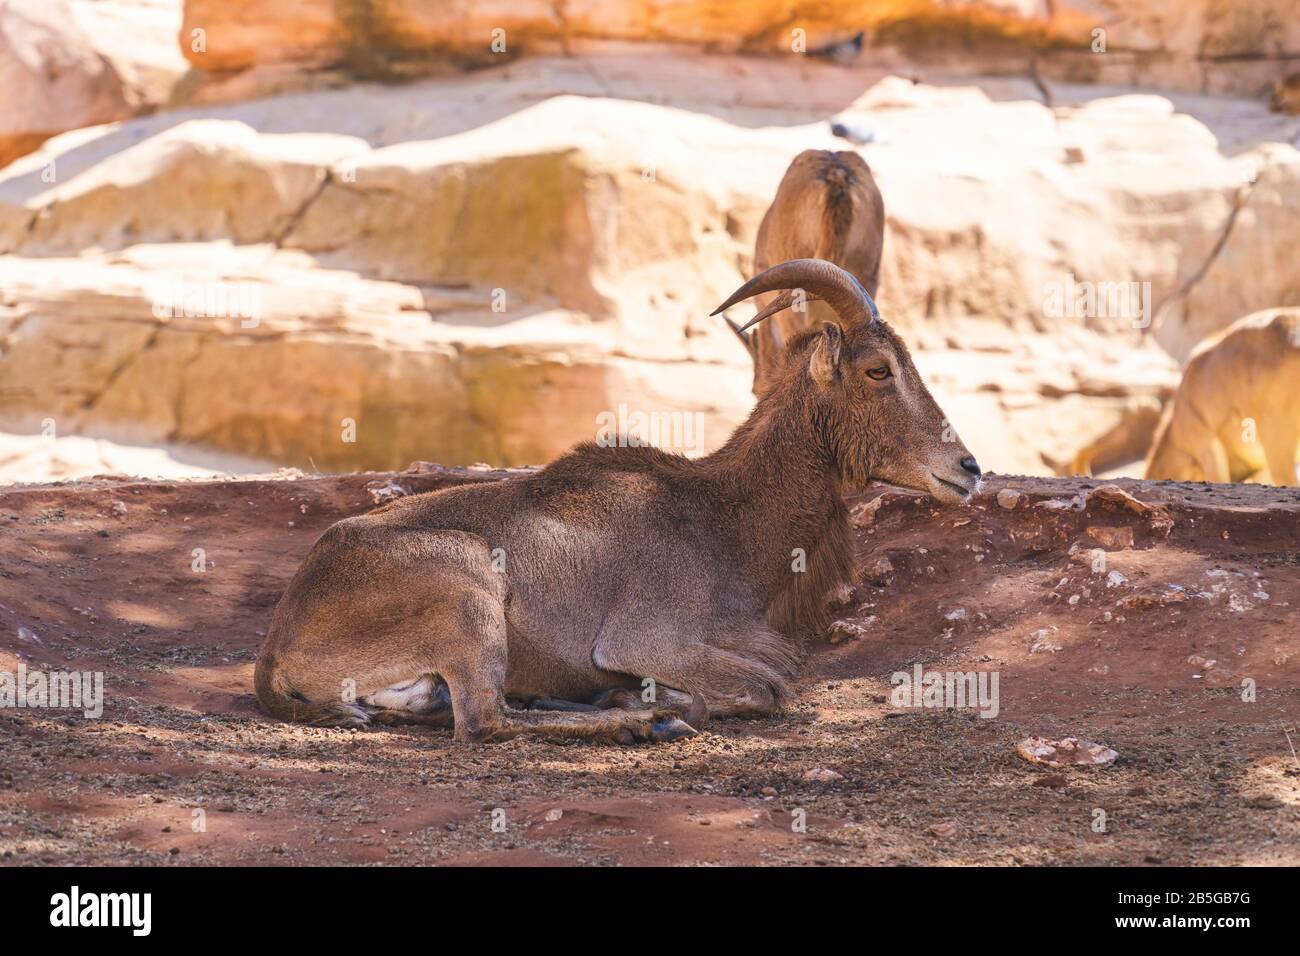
<point>670,728</point>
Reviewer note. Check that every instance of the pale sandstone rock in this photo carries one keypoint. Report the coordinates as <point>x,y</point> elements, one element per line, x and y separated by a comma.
<point>201,179</point>
<point>975,231</point>
<point>326,369</point>
<point>608,230</point>
<point>71,63</point>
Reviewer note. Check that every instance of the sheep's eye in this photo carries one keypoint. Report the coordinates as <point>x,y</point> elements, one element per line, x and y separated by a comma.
<point>879,374</point>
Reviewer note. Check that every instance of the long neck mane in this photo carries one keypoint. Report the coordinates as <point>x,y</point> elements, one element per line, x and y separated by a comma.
<point>790,489</point>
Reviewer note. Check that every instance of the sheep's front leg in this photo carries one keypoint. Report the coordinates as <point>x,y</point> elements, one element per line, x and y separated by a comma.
<point>613,726</point>
<point>720,682</point>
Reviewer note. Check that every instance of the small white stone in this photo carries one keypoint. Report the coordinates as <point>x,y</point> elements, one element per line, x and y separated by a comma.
<point>822,775</point>
<point>1008,498</point>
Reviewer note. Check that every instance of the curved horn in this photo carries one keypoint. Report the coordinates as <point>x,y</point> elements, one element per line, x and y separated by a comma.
<point>820,280</point>
<point>745,340</point>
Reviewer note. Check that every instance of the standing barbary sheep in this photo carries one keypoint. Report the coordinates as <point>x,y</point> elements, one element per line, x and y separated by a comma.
<point>1237,409</point>
<point>615,564</point>
<point>827,207</point>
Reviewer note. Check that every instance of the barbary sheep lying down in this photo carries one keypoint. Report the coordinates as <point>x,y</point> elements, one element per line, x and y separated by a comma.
<point>565,589</point>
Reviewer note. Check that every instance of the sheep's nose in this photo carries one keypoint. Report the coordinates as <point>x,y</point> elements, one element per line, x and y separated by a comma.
<point>971,465</point>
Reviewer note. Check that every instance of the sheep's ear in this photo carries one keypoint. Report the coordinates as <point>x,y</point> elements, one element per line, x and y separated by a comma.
<point>825,363</point>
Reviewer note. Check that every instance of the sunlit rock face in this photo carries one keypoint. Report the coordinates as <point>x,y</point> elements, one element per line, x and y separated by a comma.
<point>492,267</point>
<point>65,64</point>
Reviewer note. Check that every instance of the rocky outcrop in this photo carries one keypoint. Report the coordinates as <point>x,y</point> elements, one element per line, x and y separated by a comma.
<point>72,63</point>
<point>262,353</point>
<point>467,273</point>
<point>1210,46</point>
<point>65,64</point>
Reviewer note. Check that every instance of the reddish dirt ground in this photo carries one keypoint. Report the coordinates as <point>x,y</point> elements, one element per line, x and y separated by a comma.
<point>98,576</point>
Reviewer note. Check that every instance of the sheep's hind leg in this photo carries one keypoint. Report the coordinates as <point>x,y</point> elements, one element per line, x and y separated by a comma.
<point>425,700</point>
<point>466,635</point>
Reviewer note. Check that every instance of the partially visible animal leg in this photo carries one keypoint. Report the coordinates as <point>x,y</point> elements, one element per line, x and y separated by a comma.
<point>730,684</point>
<point>1280,453</point>
<point>471,647</point>
<point>471,651</point>
<point>611,726</point>
<point>665,698</point>
<point>1214,460</point>
<point>477,680</point>
<point>425,700</point>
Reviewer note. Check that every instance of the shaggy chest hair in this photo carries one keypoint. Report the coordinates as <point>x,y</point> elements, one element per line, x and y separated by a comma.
<point>800,609</point>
